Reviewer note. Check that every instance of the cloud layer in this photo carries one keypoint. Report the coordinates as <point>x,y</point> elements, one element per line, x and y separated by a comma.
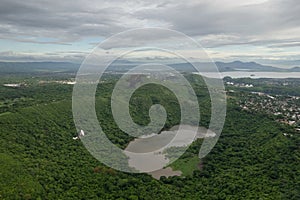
<point>260,24</point>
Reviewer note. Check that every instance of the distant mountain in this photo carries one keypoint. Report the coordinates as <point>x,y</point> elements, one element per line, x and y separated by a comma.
<point>288,62</point>
<point>234,66</point>
<point>124,65</point>
<point>37,67</point>
<point>248,66</point>
<point>295,69</point>
<point>252,66</point>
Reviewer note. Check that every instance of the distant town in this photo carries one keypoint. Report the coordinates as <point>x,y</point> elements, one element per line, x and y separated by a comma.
<point>285,108</point>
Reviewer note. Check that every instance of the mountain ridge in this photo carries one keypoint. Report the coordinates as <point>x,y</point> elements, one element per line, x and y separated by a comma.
<point>51,66</point>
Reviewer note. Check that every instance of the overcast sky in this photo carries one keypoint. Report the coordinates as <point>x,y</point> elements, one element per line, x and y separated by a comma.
<point>253,30</point>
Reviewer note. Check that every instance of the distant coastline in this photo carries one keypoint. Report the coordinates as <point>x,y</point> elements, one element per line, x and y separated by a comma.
<point>252,75</point>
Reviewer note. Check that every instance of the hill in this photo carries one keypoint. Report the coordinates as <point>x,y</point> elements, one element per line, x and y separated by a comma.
<point>251,160</point>
<point>46,68</point>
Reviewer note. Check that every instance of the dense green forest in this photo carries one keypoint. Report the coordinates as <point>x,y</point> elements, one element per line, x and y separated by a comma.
<point>40,160</point>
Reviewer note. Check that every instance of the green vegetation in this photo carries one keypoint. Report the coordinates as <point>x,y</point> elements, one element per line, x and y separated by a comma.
<point>40,160</point>
<point>187,165</point>
<point>16,182</point>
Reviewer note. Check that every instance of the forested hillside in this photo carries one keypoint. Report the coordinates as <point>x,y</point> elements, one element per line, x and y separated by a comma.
<point>40,160</point>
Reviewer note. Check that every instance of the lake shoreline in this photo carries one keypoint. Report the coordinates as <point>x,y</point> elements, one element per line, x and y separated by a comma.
<point>153,159</point>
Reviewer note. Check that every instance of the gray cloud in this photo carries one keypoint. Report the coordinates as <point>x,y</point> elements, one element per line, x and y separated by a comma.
<point>285,44</point>
<point>78,18</point>
<point>273,23</point>
<point>51,56</point>
<point>247,23</point>
<point>53,19</point>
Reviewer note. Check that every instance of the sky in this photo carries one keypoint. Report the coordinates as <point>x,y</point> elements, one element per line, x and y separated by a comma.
<point>264,31</point>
